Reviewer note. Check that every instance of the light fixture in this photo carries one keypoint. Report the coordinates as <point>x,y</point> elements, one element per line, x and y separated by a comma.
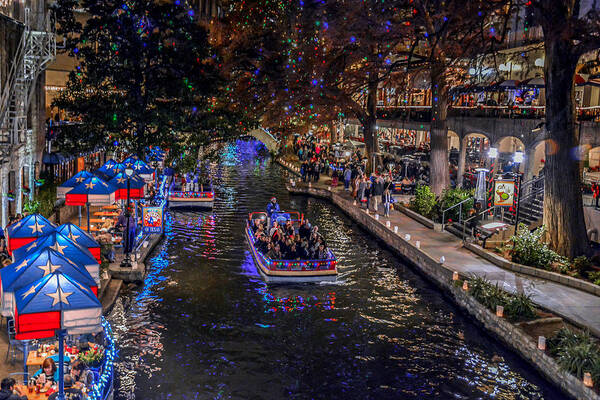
<point>128,172</point>
<point>541,343</point>
<point>493,152</point>
<point>518,157</point>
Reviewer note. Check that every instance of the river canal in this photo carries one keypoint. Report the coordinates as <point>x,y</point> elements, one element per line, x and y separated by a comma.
<point>206,326</point>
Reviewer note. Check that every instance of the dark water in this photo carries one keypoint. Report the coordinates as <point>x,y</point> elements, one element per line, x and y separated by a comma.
<point>206,326</point>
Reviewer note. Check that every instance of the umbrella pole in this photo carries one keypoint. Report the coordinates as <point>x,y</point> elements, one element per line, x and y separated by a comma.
<point>87,206</point>
<point>25,368</point>
<point>80,216</point>
<point>61,365</point>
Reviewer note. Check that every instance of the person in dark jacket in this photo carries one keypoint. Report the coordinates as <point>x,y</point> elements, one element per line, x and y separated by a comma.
<point>71,393</point>
<point>8,390</point>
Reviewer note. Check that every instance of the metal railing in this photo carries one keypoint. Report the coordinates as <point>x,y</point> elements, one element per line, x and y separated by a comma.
<point>459,205</point>
<point>489,212</point>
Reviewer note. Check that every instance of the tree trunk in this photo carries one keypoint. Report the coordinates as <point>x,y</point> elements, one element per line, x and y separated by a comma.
<point>462,160</point>
<point>370,126</point>
<point>439,176</point>
<point>563,207</point>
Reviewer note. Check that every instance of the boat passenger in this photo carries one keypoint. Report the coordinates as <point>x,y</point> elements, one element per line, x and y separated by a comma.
<point>274,253</point>
<point>272,207</point>
<point>304,230</point>
<point>322,253</point>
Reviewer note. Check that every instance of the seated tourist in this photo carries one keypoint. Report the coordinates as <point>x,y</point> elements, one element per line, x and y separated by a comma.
<point>82,376</point>
<point>46,375</point>
<point>71,393</point>
<point>9,390</point>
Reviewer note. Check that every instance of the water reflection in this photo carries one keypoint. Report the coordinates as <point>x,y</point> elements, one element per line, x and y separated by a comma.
<point>205,324</point>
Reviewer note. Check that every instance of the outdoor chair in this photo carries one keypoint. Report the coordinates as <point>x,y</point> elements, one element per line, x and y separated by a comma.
<point>13,344</point>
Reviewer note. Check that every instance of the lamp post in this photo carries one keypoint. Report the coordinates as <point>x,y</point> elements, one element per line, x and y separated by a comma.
<point>127,262</point>
<point>518,159</point>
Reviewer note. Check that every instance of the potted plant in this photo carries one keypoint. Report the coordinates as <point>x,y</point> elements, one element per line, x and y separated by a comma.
<point>10,196</point>
<point>92,357</point>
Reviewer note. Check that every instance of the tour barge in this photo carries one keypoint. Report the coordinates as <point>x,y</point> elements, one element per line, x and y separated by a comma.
<point>289,270</point>
<point>180,198</point>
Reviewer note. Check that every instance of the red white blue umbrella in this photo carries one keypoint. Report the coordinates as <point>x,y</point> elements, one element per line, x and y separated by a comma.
<point>27,230</point>
<point>71,183</point>
<point>65,247</point>
<point>144,170</point>
<point>108,166</point>
<point>136,186</point>
<point>82,238</point>
<point>56,301</point>
<point>92,191</point>
<point>36,266</point>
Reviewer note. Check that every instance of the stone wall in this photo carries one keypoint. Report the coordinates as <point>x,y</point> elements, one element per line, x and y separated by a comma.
<point>441,275</point>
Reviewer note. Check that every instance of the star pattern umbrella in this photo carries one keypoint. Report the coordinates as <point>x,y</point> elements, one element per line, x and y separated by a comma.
<point>64,246</point>
<point>94,191</point>
<point>108,166</point>
<point>82,238</point>
<point>75,180</point>
<point>144,170</point>
<point>27,230</point>
<point>56,302</point>
<point>36,266</point>
<point>136,186</point>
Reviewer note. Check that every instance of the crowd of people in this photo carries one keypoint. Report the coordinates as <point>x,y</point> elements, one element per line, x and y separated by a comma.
<point>78,379</point>
<point>281,240</point>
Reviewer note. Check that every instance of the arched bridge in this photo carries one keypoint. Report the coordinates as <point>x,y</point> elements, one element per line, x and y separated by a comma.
<point>266,138</point>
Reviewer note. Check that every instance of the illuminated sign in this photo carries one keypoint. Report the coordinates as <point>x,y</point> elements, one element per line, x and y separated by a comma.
<point>152,220</point>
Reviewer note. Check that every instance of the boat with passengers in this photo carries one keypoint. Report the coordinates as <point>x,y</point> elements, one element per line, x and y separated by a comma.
<point>191,191</point>
<point>320,267</point>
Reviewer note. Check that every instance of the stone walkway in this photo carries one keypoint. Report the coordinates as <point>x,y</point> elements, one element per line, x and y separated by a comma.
<point>572,304</point>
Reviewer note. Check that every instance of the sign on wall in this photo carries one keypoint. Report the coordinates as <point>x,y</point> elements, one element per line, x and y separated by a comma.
<point>504,193</point>
<point>152,220</point>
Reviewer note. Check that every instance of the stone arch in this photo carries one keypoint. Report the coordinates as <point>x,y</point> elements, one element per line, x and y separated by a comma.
<point>507,146</point>
<point>467,141</point>
<point>535,157</point>
<point>594,157</point>
<point>453,140</point>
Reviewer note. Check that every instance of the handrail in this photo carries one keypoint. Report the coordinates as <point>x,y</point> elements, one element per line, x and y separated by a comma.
<point>472,217</point>
<point>12,76</point>
<point>459,211</point>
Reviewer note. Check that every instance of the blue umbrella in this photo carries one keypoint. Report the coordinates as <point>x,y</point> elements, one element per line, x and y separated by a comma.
<point>37,265</point>
<point>64,246</point>
<point>77,235</point>
<point>72,182</point>
<point>56,304</point>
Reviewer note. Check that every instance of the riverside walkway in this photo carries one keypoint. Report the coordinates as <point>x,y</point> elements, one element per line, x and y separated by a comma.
<point>577,306</point>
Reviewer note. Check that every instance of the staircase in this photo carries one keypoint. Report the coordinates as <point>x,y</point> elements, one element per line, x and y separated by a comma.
<point>531,207</point>
<point>35,51</point>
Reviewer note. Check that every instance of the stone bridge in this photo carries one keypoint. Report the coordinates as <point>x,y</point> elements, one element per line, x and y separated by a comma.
<point>266,138</point>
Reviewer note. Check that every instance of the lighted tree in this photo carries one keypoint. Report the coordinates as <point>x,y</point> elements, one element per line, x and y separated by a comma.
<point>348,50</point>
<point>258,49</point>
<point>146,76</point>
<point>447,34</point>
<point>571,29</point>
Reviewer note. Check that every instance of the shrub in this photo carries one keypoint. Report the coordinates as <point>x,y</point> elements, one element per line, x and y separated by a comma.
<point>594,276</point>
<point>520,306</point>
<point>451,197</point>
<point>424,201</point>
<point>31,206</point>
<point>516,306</point>
<point>576,352</point>
<point>582,264</point>
<point>529,249</point>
